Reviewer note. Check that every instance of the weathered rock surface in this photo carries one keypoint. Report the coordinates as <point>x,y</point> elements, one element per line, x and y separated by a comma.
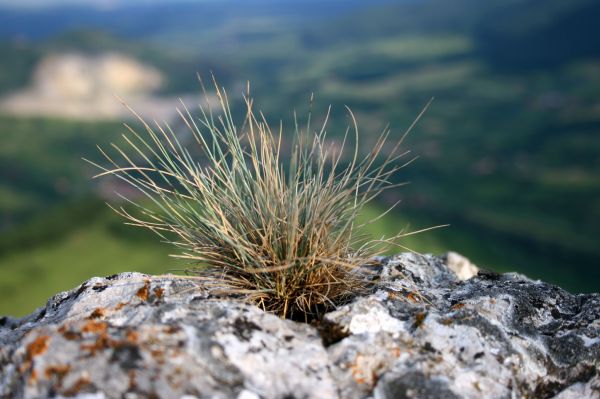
<point>432,328</point>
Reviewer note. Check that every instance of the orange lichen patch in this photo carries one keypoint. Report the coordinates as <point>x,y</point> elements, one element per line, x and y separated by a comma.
<point>97,314</point>
<point>97,327</point>
<point>159,292</point>
<point>102,342</point>
<point>58,372</point>
<point>32,377</point>
<point>419,319</point>
<point>37,347</point>
<point>364,371</point>
<point>412,297</point>
<point>158,356</point>
<point>132,380</point>
<point>172,329</point>
<point>77,386</point>
<point>396,352</point>
<point>71,335</point>
<point>120,305</point>
<point>446,321</point>
<point>458,306</point>
<point>132,336</point>
<point>144,291</point>
<point>67,333</point>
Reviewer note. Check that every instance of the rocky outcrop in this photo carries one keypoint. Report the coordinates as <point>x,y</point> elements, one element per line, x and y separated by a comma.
<point>432,328</point>
<point>83,86</point>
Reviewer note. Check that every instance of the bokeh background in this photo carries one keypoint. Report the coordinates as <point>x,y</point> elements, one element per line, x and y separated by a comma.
<point>509,150</point>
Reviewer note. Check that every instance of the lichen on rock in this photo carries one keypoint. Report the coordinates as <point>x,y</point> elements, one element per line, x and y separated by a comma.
<point>427,330</point>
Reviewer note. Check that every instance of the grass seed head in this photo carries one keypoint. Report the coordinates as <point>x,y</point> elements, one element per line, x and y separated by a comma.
<point>276,229</point>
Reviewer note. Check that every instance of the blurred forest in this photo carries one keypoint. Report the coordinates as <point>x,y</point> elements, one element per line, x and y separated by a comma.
<point>509,151</point>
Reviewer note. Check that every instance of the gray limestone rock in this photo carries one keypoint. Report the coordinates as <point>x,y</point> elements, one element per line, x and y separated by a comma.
<point>431,328</point>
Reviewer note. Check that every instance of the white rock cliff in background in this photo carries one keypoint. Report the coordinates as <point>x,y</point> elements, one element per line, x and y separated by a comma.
<point>79,86</point>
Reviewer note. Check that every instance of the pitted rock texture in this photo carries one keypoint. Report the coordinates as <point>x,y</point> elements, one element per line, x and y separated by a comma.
<point>431,328</point>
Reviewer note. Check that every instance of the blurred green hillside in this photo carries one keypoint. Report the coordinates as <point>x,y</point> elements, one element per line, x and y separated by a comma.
<point>509,150</point>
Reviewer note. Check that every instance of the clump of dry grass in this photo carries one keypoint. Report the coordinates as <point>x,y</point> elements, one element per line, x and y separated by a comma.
<point>277,229</point>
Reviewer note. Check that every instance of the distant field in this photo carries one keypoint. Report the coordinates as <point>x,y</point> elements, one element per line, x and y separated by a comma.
<point>28,277</point>
<point>36,267</point>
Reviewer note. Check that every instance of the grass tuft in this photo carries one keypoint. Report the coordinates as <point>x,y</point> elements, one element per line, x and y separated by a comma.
<point>276,228</point>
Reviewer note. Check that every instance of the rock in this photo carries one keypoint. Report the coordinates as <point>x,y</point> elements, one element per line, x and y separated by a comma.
<point>461,266</point>
<point>83,86</point>
<point>425,331</point>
